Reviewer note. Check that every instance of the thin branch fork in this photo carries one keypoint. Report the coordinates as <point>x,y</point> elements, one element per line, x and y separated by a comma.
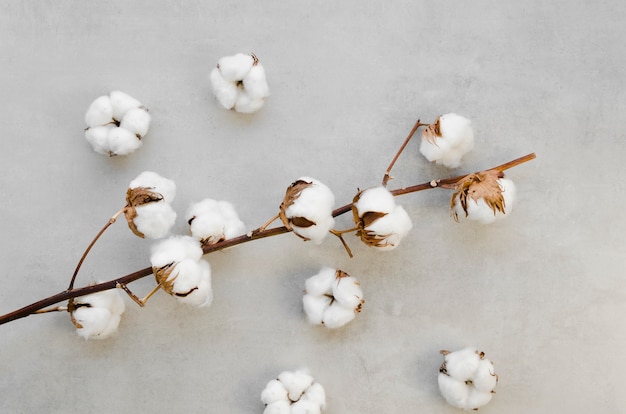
<point>253,235</point>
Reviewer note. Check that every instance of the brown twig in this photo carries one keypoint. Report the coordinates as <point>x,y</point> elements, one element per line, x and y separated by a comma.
<point>387,176</point>
<point>253,235</point>
<point>95,239</point>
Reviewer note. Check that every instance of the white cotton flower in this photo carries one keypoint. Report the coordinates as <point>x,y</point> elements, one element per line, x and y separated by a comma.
<point>238,82</point>
<point>180,270</point>
<point>148,210</point>
<point>307,209</point>
<point>293,392</point>
<point>381,222</point>
<point>97,315</point>
<point>484,197</point>
<point>447,140</point>
<point>332,298</point>
<point>116,123</point>
<point>467,379</point>
<point>212,221</point>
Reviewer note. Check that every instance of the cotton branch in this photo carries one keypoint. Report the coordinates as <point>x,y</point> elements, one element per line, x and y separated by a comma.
<point>256,234</point>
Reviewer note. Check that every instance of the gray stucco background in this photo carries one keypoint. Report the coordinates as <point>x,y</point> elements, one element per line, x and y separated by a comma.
<point>542,292</point>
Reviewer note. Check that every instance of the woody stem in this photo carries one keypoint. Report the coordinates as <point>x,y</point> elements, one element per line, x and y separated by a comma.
<point>95,239</point>
<point>387,176</point>
<point>254,235</point>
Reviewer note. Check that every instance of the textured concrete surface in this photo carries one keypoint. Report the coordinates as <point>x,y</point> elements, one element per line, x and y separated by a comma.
<point>542,292</point>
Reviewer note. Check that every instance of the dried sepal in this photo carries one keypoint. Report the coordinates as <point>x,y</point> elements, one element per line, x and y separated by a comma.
<point>432,132</point>
<point>137,197</point>
<point>483,185</point>
<point>291,195</point>
<point>162,275</point>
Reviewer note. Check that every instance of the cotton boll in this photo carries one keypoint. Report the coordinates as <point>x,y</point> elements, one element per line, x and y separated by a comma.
<point>305,407</point>
<point>175,249</point>
<point>347,291</point>
<point>295,383</point>
<point>137,121</point>
<point>255,83</point>
<point>315,307</point>
<point>467,378</point>
<point>225,92</point>
<point>100,112</point>
<point>454,391</point>
<point>278,407</point>
<point>234,68</point>
<point>122,142</point>
<point>98,137</point>
<point>122,103</point>
<point>338,315</point>
<point>322,282</point>
<point>152,180</point>
<point>274,391</point>
<point>307,209</point>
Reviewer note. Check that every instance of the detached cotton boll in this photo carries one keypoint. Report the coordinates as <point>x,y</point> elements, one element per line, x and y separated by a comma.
<point>467,379</point>
<point>293,392</point>
<point>484,197</point>
<point>148,210</point>
<point>179,269</point>
<point>238,82</point>
<point>447,140</point>
<point>212,221</point>
<point>127,121</point>
<point>332,298</point>
<point>307,209</point>
<point>97,315</point>
<point>381,222</point>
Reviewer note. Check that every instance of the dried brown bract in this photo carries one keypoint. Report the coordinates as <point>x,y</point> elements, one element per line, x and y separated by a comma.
<point>432,132</point>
